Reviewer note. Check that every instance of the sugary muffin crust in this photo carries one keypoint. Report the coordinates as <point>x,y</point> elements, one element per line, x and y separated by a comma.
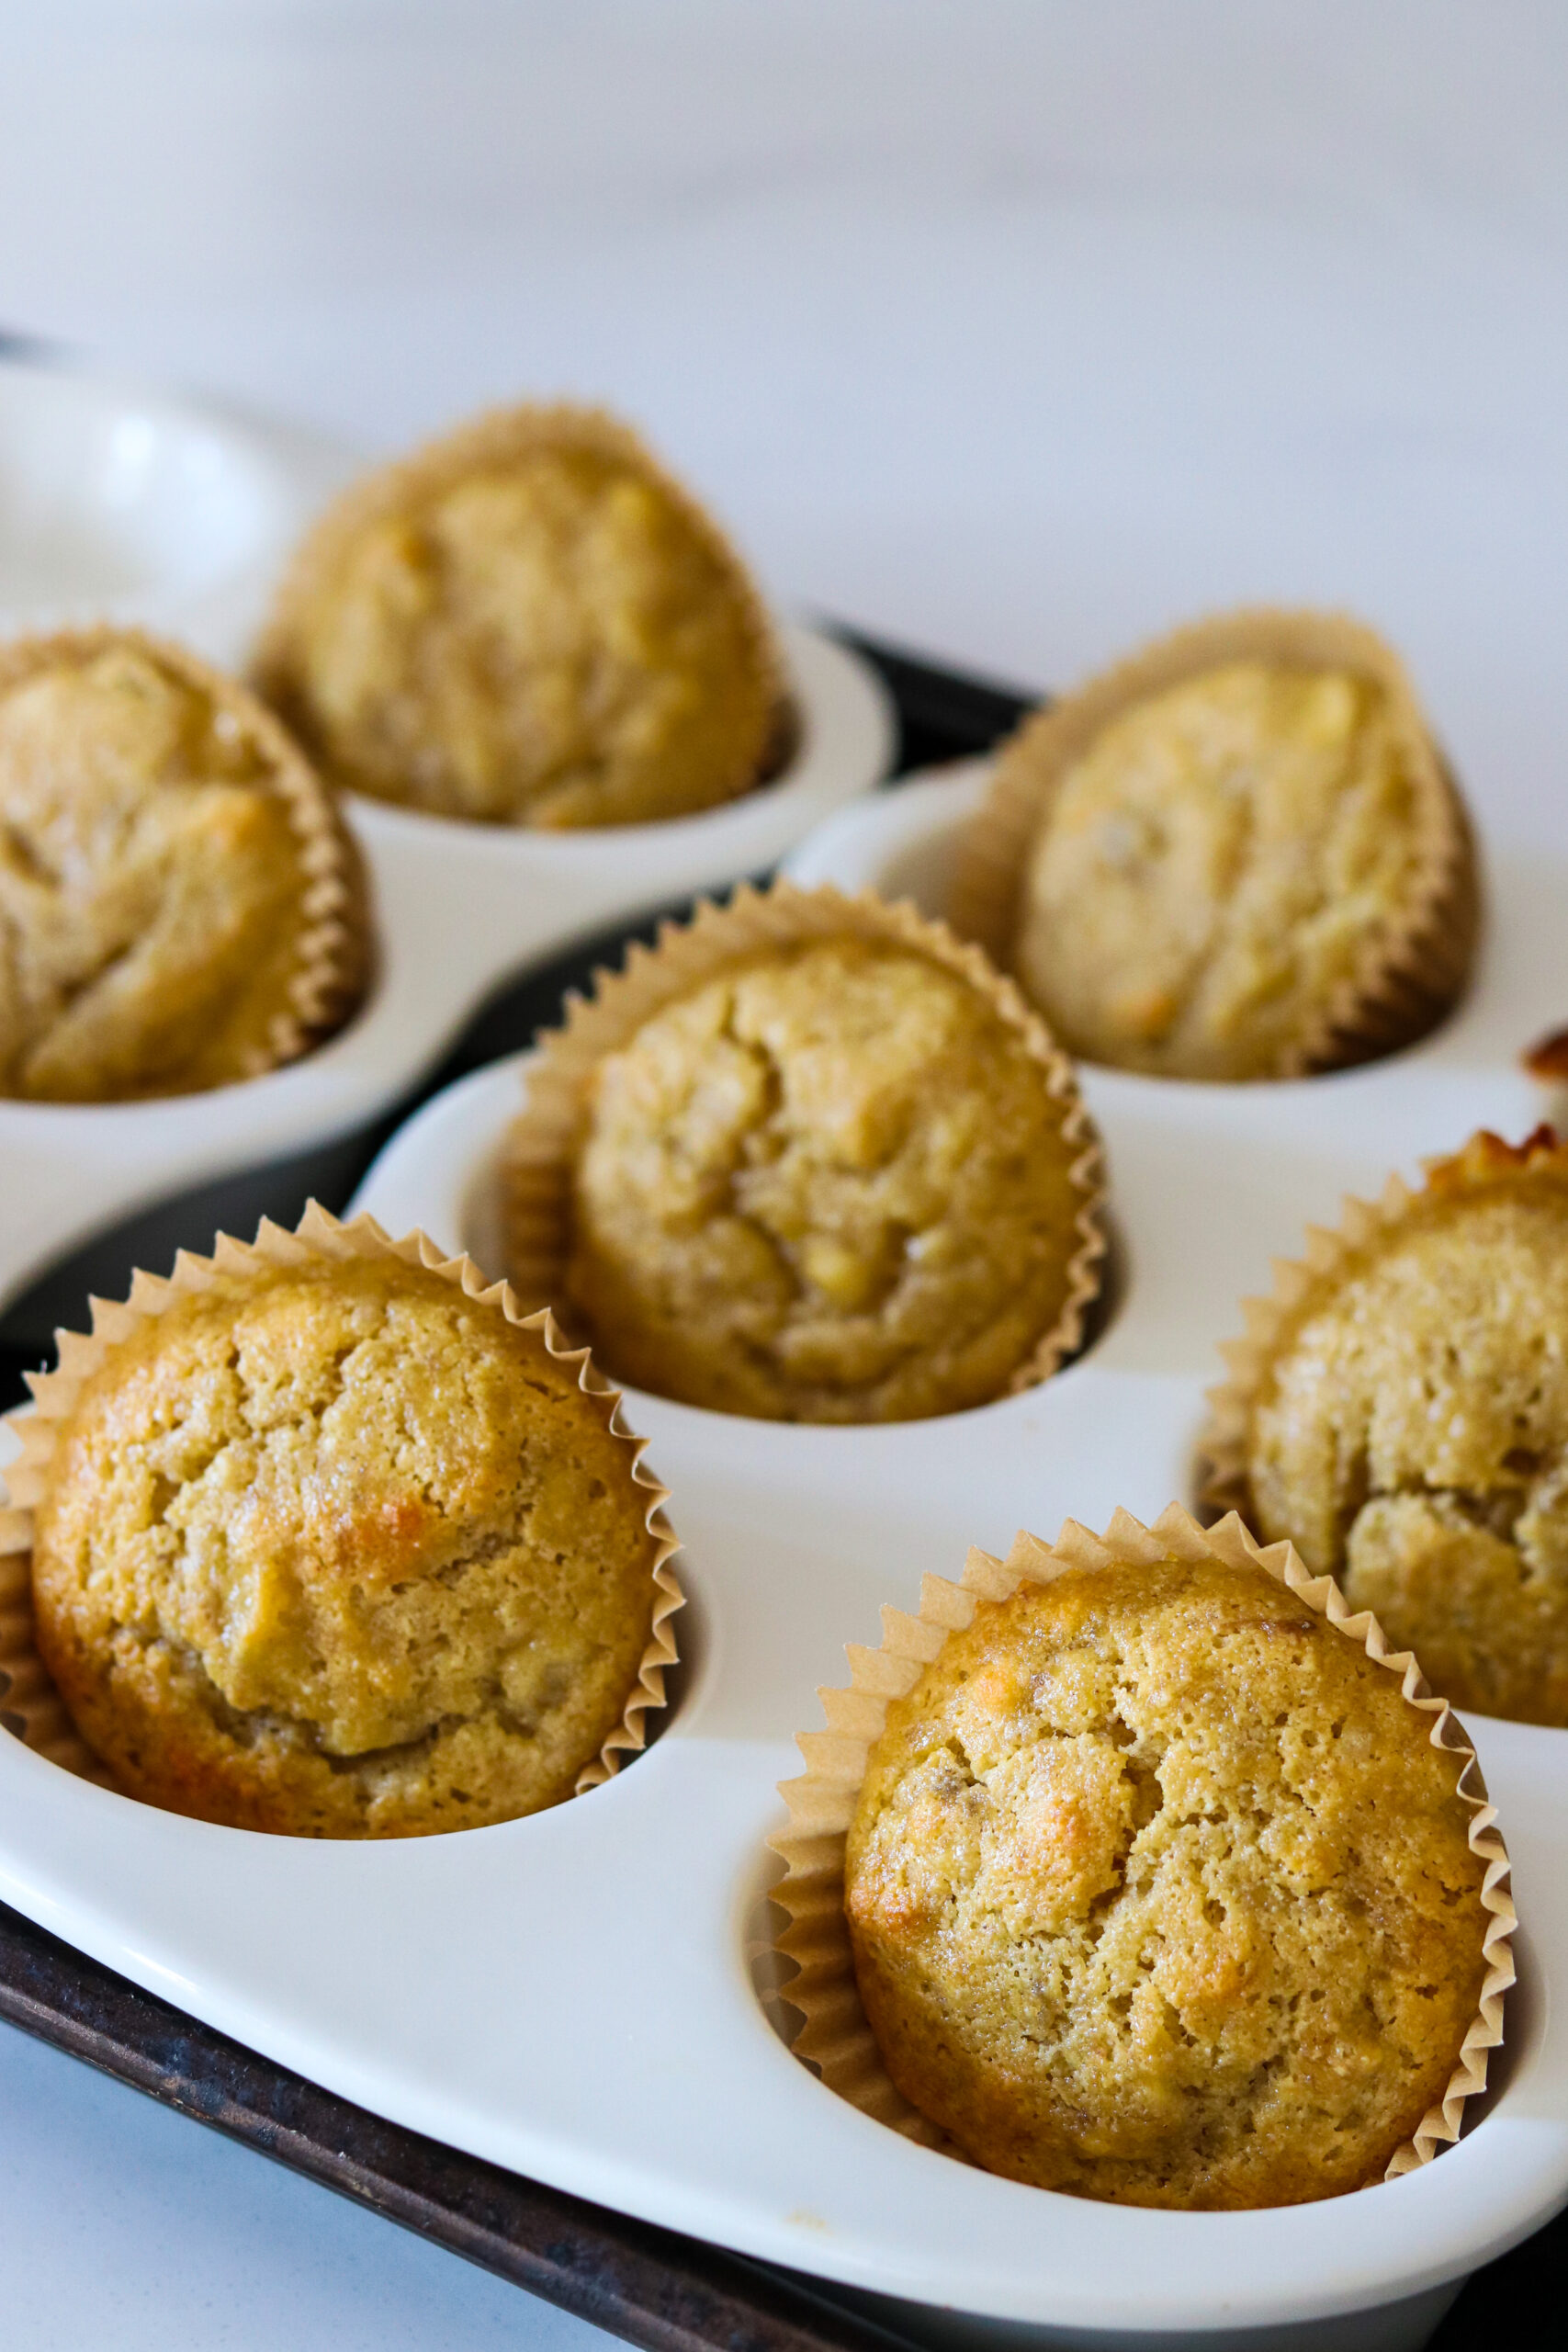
<point>1212,867</point>
<point>175,889</point>
<point>527,623</point>
<point>1405,1424</point>
<point>335,1549</point>
<point>1158,1891</point>
<point>831,1183</point>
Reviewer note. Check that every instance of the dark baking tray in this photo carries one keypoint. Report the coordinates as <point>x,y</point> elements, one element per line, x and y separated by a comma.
<point>656,2288</point>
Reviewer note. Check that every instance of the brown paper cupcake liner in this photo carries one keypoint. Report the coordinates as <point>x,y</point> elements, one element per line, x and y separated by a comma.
<point>334,945</point>
<point>500,437</point>
<point>1222,1481</point>
<point>1408,974</point>
<point>835,2039</point>
<point>542,1149</point>
<point>30,1705</point>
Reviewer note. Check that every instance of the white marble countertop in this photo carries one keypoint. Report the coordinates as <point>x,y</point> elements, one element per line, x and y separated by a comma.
<point>1014,332</point>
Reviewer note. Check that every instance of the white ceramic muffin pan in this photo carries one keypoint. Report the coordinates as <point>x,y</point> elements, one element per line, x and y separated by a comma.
<point>570,1995</point>
<point>162,513</point>
<point>122,503</point>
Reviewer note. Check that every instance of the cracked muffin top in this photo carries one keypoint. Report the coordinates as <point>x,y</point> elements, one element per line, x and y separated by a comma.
<point>339,1551</point>
<point>1159,1892</point>
<point>527,624</point>
<point>177,900</point>
<point>1213,867</point>
<point>832,1184</point>
<point>1408,1427</point>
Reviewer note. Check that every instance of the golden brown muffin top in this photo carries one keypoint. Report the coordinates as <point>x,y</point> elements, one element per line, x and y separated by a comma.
<point>1159,1892</point>
<point>527,625</point>
<point>1409,1433</point>
<point>830,1184</point>
<point>1214,867</point>
<point>152,890</point>
<point>336,1549</point>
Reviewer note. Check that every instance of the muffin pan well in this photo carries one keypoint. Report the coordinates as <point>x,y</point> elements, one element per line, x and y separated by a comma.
<point>119,502</point>
<point>572,1996</point>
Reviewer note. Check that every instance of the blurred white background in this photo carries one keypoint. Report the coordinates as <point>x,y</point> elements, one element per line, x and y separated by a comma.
<point>1011,331</point>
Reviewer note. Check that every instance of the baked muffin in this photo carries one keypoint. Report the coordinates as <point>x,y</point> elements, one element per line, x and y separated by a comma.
<point>527,623</point>
<point>1159,1892</point>
<point>841,1177</point>
<point>1238,858</point>
<point>336,1549</point>
<point>1401,1414</point>
<point>179,902</point>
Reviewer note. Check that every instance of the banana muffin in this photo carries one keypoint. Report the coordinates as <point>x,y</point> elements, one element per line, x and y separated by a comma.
<point>527,623</point>
<point>335,1549</point>
<point>1159,1892</point>
<point>832,1183</point>
<point>1239,857</point>
<point>179,902</point>
<point>1403,1420</point>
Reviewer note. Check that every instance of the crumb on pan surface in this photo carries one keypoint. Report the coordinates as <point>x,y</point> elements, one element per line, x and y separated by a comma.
<point>1214,867</point>
<point>828,1184</point>
<point>1547,1058</point>
<point>1409,1428</point>
<point>335,1549</point>
<point>1159,1892</point>
<point>527,624</point>
<point>153,881</point>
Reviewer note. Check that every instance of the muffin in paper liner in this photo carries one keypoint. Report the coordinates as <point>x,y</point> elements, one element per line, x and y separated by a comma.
<point>835,2038</point>
<point>545,1138</point>
<point>30,1705</point>
<point>498,437</point>
<point>1485,1164</point>
<point>1411,969</point>
<point>1329,1252</point>
<point>333,949</point>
